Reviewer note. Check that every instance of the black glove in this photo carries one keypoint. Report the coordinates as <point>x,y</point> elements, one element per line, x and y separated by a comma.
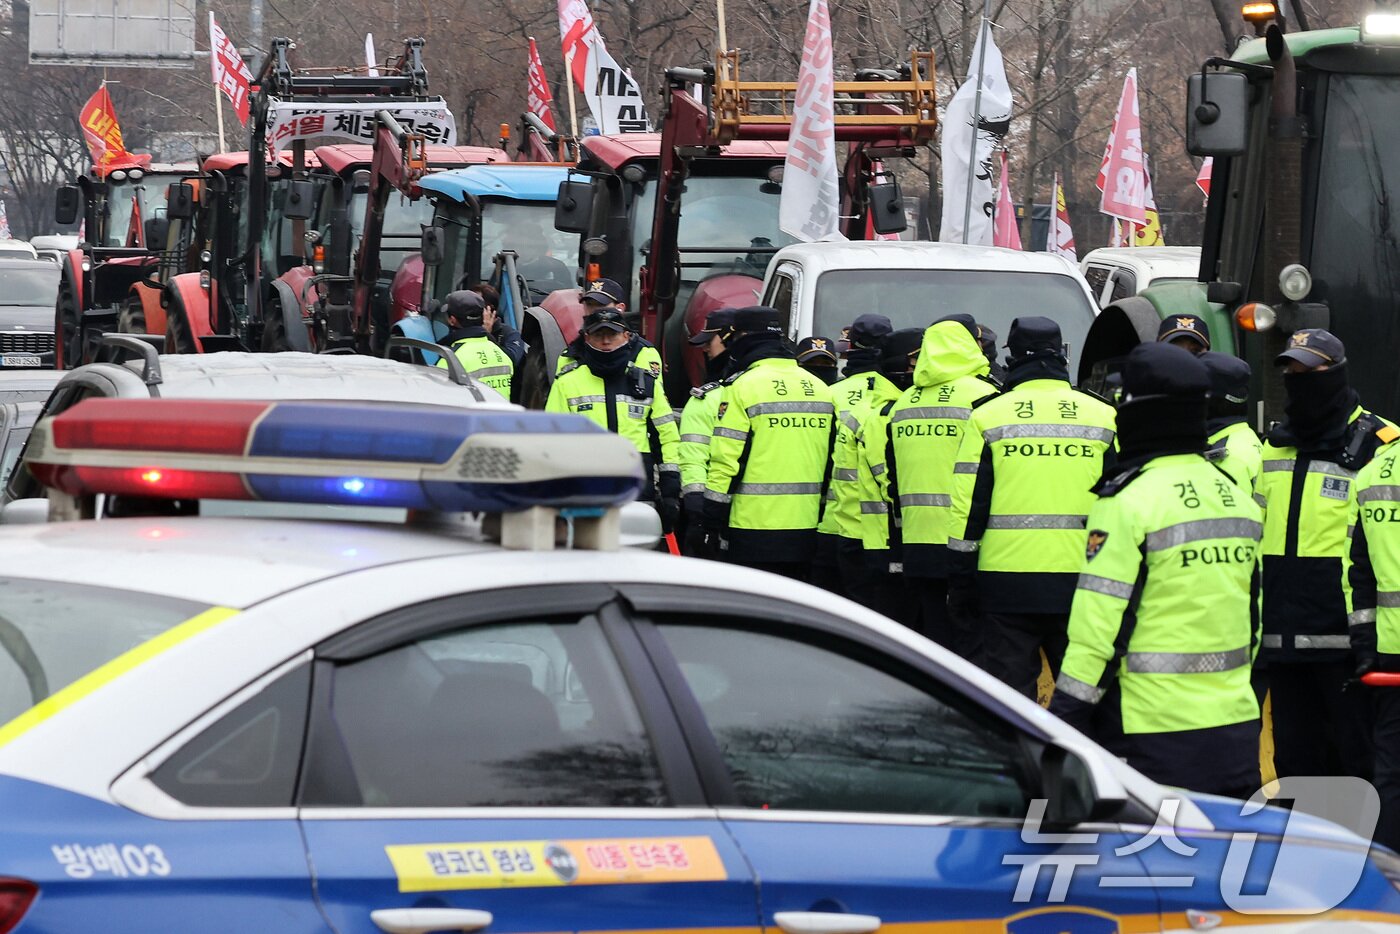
<point>1366,663</point>
<point>1073,711</point>
<point>963,601</point>
<point>670,509</point>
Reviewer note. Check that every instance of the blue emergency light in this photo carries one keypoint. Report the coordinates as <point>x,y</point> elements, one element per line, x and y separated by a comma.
<point>352,453</point>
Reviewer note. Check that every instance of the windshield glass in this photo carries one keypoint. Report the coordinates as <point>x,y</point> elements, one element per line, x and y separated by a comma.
<point>1355,246</point>
<point>729,224</point>
<point>52,634</point>
<point>150,190</point>
<point>915,298</point>
<point>404,219</point>
<point>546,256</point>
<point>35,285</point>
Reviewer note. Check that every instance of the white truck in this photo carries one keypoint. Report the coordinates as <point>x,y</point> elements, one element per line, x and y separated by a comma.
<point>1115,272</point>
<point>822,287</point>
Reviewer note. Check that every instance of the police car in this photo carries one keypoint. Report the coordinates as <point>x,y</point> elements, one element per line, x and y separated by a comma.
<point>254,725</point>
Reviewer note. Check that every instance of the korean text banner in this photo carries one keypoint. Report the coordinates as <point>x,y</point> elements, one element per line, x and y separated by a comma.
<point>354,123</point>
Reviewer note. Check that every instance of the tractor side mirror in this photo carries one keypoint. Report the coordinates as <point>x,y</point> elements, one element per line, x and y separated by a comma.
<point>157,230</point>
<point>179,201</point>
<point>301,201</point>
<point>68,204</point>
<point>574,209</point>
<point>887,207</point>
<point>1217,113</point>
<point>433,248</point>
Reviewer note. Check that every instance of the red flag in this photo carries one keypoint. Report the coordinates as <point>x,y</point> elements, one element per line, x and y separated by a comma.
<point>1122,175</point>
<point>103,135</point>
<point>229,72</point>
<point>1203,176</point>
<point>1005,231</point>
<point>538,96</point>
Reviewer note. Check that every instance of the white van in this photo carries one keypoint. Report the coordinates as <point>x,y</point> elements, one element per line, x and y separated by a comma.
<point>823,287</point>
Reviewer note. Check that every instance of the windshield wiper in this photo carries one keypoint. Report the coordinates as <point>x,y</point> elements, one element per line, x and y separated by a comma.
<point>16,645</point>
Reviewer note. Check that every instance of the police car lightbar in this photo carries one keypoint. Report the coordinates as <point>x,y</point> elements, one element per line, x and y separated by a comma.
<point>361,454</point>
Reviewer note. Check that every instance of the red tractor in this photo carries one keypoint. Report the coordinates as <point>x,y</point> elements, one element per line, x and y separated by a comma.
<point>687,219</point>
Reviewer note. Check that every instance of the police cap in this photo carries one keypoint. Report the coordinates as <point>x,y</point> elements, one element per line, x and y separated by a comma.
<point>966,321</point>
<point>1313,347</point>
<point>604,292</point>
<point>716,322</point>
<point>1229,377</point>
<point>758,319</point>
<point>464,305</point>
<point>1162,369</point>
<point>869,330</point>
<point>1192,327</point>
<point>816,351</point>
<point>1034,335</point>
<point>900,348</point>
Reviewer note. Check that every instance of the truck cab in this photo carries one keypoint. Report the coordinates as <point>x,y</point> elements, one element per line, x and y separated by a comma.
<point>1115,272</point>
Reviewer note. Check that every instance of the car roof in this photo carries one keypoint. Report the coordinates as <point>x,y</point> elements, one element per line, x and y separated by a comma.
<point>295,375</point>
<point>516,182</point>
<point>233,562</point>
<point>919,254</point>
<point>10,244</point>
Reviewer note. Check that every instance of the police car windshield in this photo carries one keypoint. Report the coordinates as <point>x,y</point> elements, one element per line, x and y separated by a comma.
<point>915,298</point>
<point>52,634</point>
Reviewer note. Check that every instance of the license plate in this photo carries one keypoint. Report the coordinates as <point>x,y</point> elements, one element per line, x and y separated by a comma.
<point>19,360</point>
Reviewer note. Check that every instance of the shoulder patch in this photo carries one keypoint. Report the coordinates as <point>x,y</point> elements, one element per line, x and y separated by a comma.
<point>1094,544</point>
<point>1112,486</point>
<point>568,368</point>
<point>700,391</point>
<point>723,407</point>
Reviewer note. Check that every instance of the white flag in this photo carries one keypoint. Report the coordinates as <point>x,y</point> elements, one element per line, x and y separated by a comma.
<point>810,208</point>
<point>371,60</point>
<point>992,125</point>
<point>1061,238</point>
<point>4,222</point>
<point>612,94</point>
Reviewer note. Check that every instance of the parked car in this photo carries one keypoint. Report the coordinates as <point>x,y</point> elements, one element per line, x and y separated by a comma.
<point>22,395</point>
<point>822,287</point>
<point>28,292</point>
<point>54,246</point>
<point>1119,271</point>
<point>16,249</point>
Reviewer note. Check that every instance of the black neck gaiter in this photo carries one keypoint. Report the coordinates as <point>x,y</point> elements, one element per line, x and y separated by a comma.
<point>1319,406</point>
<point>716,367</point>
<point>1040,366</point>
<point>751,348</point>
<point>1157,426</point>
<point>606,363</point>
<point>861,360</point>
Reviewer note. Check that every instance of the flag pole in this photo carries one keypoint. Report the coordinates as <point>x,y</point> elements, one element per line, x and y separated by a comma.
<point>218,95</point>
<point>723,39</point>
<point>569,82</point>
<point>983,34</point>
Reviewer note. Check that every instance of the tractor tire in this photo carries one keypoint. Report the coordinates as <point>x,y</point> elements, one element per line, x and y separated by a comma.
<point>132,319</point>
<point>533,379</point>
<point>179,337</point>
<point>69,330</point>
<point>274,331</point>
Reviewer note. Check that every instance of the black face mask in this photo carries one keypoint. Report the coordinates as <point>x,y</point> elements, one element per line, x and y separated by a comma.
<point>716,367</point>
<point>827,374</point>
<point>1320,402</point>
<point>902,380</point>
<point>862,360</point>
<point>606,363</point>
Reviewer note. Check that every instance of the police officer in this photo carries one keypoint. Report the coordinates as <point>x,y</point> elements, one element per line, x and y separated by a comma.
<point>506,337</point>
<point>880,532</point>
<point>1231,443</point>
<point>1371,579</point>
<point>1310,462</point>
<point>925,426</point>
<point>698,424</point>
<point>1189,332</point>
<point>607,294</point>
<point>817,356</point>
<point>1164,624</point>
<point>987,338</point>
<point>469,321</point>
<point>770,453</point>
<point>840,564</point>
<point>1021,493</point>
<point>608,387</point>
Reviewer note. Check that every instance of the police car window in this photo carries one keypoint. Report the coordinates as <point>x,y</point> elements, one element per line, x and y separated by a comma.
<point>523,714</point>
<point>52,634</point>
<point>249,756</point>
<point>807,727</point>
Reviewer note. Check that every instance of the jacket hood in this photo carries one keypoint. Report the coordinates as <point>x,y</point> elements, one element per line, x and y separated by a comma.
<point>949,352</point>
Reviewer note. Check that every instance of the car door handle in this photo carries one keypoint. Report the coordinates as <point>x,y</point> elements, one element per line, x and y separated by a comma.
<point>825,922</point>
<point>423,920</point>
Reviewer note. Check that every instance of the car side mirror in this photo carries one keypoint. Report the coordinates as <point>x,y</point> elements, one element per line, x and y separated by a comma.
<point>179,201</point>
<point>573,212</point>
<point>301,201</point>
<point>433,248</point>
<point>1074,791</point>
<point>1217,113</point>
<point>887,207</point>
<point>68,204</point>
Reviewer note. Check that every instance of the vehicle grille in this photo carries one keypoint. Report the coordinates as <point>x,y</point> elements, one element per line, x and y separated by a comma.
<point>25,342</point>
